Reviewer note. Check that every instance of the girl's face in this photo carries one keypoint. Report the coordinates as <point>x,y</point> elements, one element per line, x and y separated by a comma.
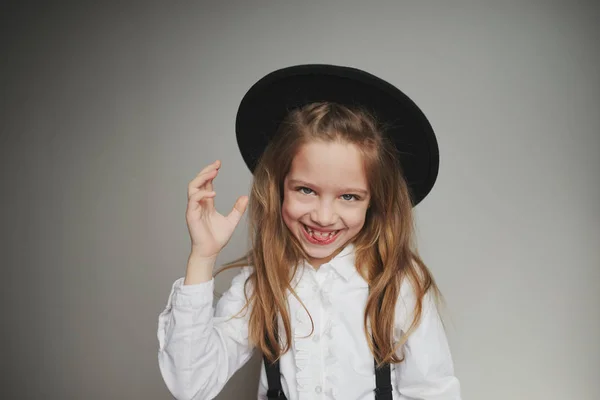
<point>325,198</point>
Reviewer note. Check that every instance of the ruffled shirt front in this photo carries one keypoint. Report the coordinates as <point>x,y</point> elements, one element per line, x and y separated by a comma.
<point>201,346</point>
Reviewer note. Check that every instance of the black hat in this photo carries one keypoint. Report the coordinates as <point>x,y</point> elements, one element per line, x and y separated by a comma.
<point>269,100</point>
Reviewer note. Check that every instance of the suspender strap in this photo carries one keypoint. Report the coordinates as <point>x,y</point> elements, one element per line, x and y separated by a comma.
<point>274,392</point>
<point>274,380</point>
<point>383,380</point>
<point>383,383</point>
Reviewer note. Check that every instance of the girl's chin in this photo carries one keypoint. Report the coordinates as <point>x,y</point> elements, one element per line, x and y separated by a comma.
<point>322,252</point>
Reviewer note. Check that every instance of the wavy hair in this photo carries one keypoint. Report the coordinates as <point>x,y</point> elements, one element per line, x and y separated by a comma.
<point>386,254</point>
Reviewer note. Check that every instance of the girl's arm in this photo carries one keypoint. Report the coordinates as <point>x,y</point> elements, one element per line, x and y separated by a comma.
<point>200,348</point>
<point>427,373</point>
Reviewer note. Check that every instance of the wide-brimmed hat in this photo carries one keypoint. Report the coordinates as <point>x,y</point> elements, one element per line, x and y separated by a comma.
<point>268,101</point>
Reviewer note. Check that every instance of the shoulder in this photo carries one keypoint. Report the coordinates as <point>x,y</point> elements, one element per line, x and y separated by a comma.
<point>407,301</point>
<point>240,280</point>
<point>242,276</point>
<point>238,292</point>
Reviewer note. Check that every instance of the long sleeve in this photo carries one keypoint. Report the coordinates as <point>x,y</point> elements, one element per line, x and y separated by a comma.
<point>200,347</point>
<point>427,373</point>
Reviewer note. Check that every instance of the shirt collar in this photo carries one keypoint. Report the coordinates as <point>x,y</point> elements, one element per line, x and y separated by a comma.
<point>343,263</point>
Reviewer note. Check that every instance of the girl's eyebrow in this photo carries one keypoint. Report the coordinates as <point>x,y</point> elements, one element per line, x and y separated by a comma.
<point>295,182</point>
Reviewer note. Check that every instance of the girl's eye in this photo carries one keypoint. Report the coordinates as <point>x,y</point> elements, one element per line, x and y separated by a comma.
<point>305,190</point>
<point>347,197</point>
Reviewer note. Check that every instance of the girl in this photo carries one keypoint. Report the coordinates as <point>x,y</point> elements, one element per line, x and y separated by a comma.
<point>334,293</point>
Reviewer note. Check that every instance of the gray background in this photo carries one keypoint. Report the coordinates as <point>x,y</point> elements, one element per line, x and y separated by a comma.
<point>108,111</point>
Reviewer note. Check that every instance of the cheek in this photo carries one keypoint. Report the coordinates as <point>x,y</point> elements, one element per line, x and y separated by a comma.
<point>291,211</point>
<point>356,218</point>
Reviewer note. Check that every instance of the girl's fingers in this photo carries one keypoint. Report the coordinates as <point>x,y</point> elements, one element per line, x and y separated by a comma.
<point>200,182</point>
<point>238,210</point>
<point>196,198</point>
<point>216,164</point>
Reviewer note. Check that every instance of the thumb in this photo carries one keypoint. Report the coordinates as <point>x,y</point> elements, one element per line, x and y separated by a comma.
<point>238,210</point>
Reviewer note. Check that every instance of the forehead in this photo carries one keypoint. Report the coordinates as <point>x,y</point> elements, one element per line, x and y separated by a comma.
<point>329,164</point>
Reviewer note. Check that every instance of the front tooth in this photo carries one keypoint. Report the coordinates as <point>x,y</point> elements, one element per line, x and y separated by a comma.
<point>321,235</point>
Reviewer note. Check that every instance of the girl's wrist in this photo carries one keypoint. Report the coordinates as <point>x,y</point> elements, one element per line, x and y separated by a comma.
<point>196,254</point>
<point>199,269</point>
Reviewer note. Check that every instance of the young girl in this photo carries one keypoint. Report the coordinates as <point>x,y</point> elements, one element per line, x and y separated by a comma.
<point>334,293</point>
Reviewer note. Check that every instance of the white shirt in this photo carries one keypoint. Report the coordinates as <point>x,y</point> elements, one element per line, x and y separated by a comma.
<point>200,348</point>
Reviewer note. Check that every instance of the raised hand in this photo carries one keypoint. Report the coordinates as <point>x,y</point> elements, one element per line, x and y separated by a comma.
<point>209,230</point>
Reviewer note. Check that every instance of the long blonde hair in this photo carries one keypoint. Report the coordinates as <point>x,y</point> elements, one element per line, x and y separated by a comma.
<point>386,254</point>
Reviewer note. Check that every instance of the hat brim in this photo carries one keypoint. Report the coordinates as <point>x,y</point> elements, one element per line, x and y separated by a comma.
<point>269,100</point>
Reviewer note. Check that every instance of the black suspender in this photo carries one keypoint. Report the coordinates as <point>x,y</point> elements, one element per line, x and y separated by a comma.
<point>383,383</point>
<point>275,391</point>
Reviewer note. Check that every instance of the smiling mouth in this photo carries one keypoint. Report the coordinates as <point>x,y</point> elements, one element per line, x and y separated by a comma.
<point>320,237</point>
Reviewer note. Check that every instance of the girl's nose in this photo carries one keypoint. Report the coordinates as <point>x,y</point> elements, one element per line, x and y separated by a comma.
<point>324,214</point>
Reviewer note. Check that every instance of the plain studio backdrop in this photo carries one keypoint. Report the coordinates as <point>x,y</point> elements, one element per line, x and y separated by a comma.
<point>108,111</point>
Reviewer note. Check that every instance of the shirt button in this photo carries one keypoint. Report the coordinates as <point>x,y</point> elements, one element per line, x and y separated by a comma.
<point>315,338</point>
<point>318,389</point>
